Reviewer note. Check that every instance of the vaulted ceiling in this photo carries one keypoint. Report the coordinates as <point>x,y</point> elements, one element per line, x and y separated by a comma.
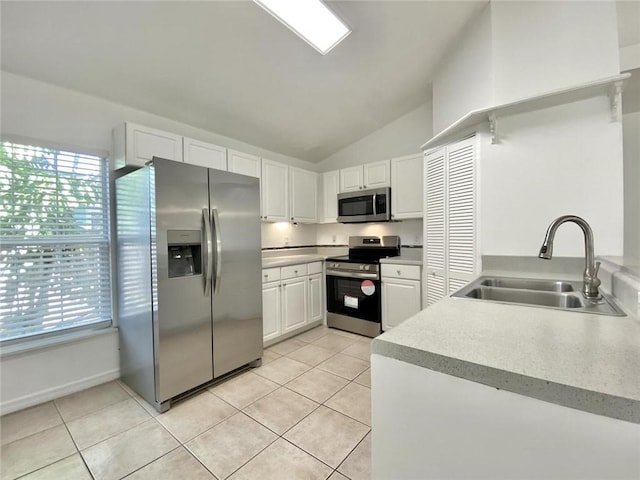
<point>231,68</point>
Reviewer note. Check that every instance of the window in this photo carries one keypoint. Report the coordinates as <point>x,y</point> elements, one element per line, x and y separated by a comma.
<point>54,241</point>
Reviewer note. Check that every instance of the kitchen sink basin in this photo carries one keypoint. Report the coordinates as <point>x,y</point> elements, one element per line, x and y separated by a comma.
<point>529,284</point>
<point>556,294</point>
<point>530,297</point>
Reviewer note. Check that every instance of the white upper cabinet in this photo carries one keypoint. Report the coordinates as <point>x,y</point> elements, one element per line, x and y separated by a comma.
<point>406,187</point>
<point>275,191</point>
<point>304,195</point>
<point>136,145</point>
<point>351,179</point>
<point>330,190</point>
<point>243,163</point>
<point>204,154</point>
<point>377,174</point>
<point>369,175</point>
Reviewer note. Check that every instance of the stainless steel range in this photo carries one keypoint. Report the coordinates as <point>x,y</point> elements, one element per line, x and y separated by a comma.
<point>353,285</point>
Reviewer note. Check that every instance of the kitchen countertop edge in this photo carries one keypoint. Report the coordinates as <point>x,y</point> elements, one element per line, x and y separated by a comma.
<point>565,395</point>
<point>286,260</point>
<point>424,341</point>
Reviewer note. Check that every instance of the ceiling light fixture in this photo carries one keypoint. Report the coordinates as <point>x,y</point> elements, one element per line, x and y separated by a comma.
<point>311,20</point>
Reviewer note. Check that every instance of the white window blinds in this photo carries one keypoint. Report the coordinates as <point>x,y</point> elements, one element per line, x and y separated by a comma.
<point>54,241</point>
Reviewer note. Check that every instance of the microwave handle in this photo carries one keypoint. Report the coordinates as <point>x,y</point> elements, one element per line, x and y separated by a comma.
<point>374,203</point>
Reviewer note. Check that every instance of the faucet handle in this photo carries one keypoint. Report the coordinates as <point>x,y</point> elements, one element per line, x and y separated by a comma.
<point>597,268</point>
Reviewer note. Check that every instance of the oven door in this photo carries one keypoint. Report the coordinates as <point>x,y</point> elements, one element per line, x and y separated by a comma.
<point>354,295</point>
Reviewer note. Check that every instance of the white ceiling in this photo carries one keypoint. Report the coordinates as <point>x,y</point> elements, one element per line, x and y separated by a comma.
<point>231,68</point>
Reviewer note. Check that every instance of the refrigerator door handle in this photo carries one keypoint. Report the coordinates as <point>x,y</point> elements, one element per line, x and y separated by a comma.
<point>209,245</point>
<point>216,230</point>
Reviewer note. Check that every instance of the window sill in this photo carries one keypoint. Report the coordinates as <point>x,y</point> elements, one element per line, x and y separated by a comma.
<point>29,346</point>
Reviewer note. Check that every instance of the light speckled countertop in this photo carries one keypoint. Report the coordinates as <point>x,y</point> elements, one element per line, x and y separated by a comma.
<point>582,361</point>
<point>283,261</point>
<point>408,256</point>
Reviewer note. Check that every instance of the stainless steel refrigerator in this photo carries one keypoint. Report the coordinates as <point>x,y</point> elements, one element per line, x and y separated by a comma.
<point>189,286</point>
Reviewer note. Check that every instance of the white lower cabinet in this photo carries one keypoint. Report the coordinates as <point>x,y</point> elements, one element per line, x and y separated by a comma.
<point>292,297</point>
<point>271,310</point>
<point>401,293</point>
<point>316,303</point>
<point>294,303</point>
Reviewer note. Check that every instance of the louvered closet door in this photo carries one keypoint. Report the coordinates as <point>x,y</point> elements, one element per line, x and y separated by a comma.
<point>461,237</point>
<point>434,226</point>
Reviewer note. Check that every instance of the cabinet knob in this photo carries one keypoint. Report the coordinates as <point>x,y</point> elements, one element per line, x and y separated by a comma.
<point>295,271</point>
<point>399,272</point>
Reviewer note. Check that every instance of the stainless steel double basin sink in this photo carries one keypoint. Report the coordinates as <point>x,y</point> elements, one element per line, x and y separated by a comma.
<point>556,294</point>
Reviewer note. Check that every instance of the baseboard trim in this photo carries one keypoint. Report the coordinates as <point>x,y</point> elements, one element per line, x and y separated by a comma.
<point>42,396</point>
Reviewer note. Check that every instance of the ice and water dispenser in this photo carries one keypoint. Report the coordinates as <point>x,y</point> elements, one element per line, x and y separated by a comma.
<point>184,249</point>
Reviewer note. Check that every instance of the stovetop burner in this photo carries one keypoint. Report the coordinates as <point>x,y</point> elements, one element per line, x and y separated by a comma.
<point>369,250</point>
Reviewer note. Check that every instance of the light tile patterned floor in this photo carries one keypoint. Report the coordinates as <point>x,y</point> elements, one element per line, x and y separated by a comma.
<point>305,414</point>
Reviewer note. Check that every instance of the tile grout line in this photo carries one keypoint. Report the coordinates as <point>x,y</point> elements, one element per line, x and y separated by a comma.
<point>79,453</point>
<point>138,402</point>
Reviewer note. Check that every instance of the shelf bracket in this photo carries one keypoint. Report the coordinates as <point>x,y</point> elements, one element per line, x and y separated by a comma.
<point>615,100</point>
<point>493,127</point>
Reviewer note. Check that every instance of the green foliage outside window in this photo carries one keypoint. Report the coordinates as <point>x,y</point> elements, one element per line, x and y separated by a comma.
<point>53,240</point>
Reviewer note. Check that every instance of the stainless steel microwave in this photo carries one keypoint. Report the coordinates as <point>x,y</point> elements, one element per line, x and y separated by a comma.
<point>372,205</point>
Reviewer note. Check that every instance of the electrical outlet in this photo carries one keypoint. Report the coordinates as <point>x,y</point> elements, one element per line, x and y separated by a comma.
<point>333,238</point>
<point>286,240</point>
<point>416,240</point>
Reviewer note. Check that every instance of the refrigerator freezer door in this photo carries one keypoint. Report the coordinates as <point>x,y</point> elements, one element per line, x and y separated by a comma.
<point>237,287</point>
<point>181,311</point>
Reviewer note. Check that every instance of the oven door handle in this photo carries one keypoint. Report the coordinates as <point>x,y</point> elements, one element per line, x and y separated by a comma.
<point>334,273</point>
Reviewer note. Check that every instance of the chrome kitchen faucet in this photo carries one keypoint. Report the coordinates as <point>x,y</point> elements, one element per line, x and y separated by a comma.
<point>590,279</point>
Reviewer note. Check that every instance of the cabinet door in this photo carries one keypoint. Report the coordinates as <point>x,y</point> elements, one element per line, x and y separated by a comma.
<point>144,143</point>
<point>304,195</point>
<point>294,303</point>
<point>316,303</point>
<point>377,175</point>
<point>400,300</point>
<point>204,154</point>
<point>434,225</point>
<point>271,310</point>
<point>406,187</point>
<point>330,190</point>
<point>275,191</point>
<point>243,163</point>
<point>351,179</point>
<point>461,232</point>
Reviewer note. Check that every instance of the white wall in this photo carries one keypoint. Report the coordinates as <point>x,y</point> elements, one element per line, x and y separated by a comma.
<point>631,135</point>
<point>429,425</point>
<point>46,112</point>
<point>410,231</point>
<point>42,374</point>
<point>464,79</point>
<point>515,50</point>
<point>285,234</point>
<point>548,163</point>
<point>543,46</point>
<point>401,137</point>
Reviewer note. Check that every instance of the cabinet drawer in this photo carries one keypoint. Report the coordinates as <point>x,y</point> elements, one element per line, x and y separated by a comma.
<point>270,274</point>
<point>315,267</point>
<point>392,270</point>
<point>293,271</point>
